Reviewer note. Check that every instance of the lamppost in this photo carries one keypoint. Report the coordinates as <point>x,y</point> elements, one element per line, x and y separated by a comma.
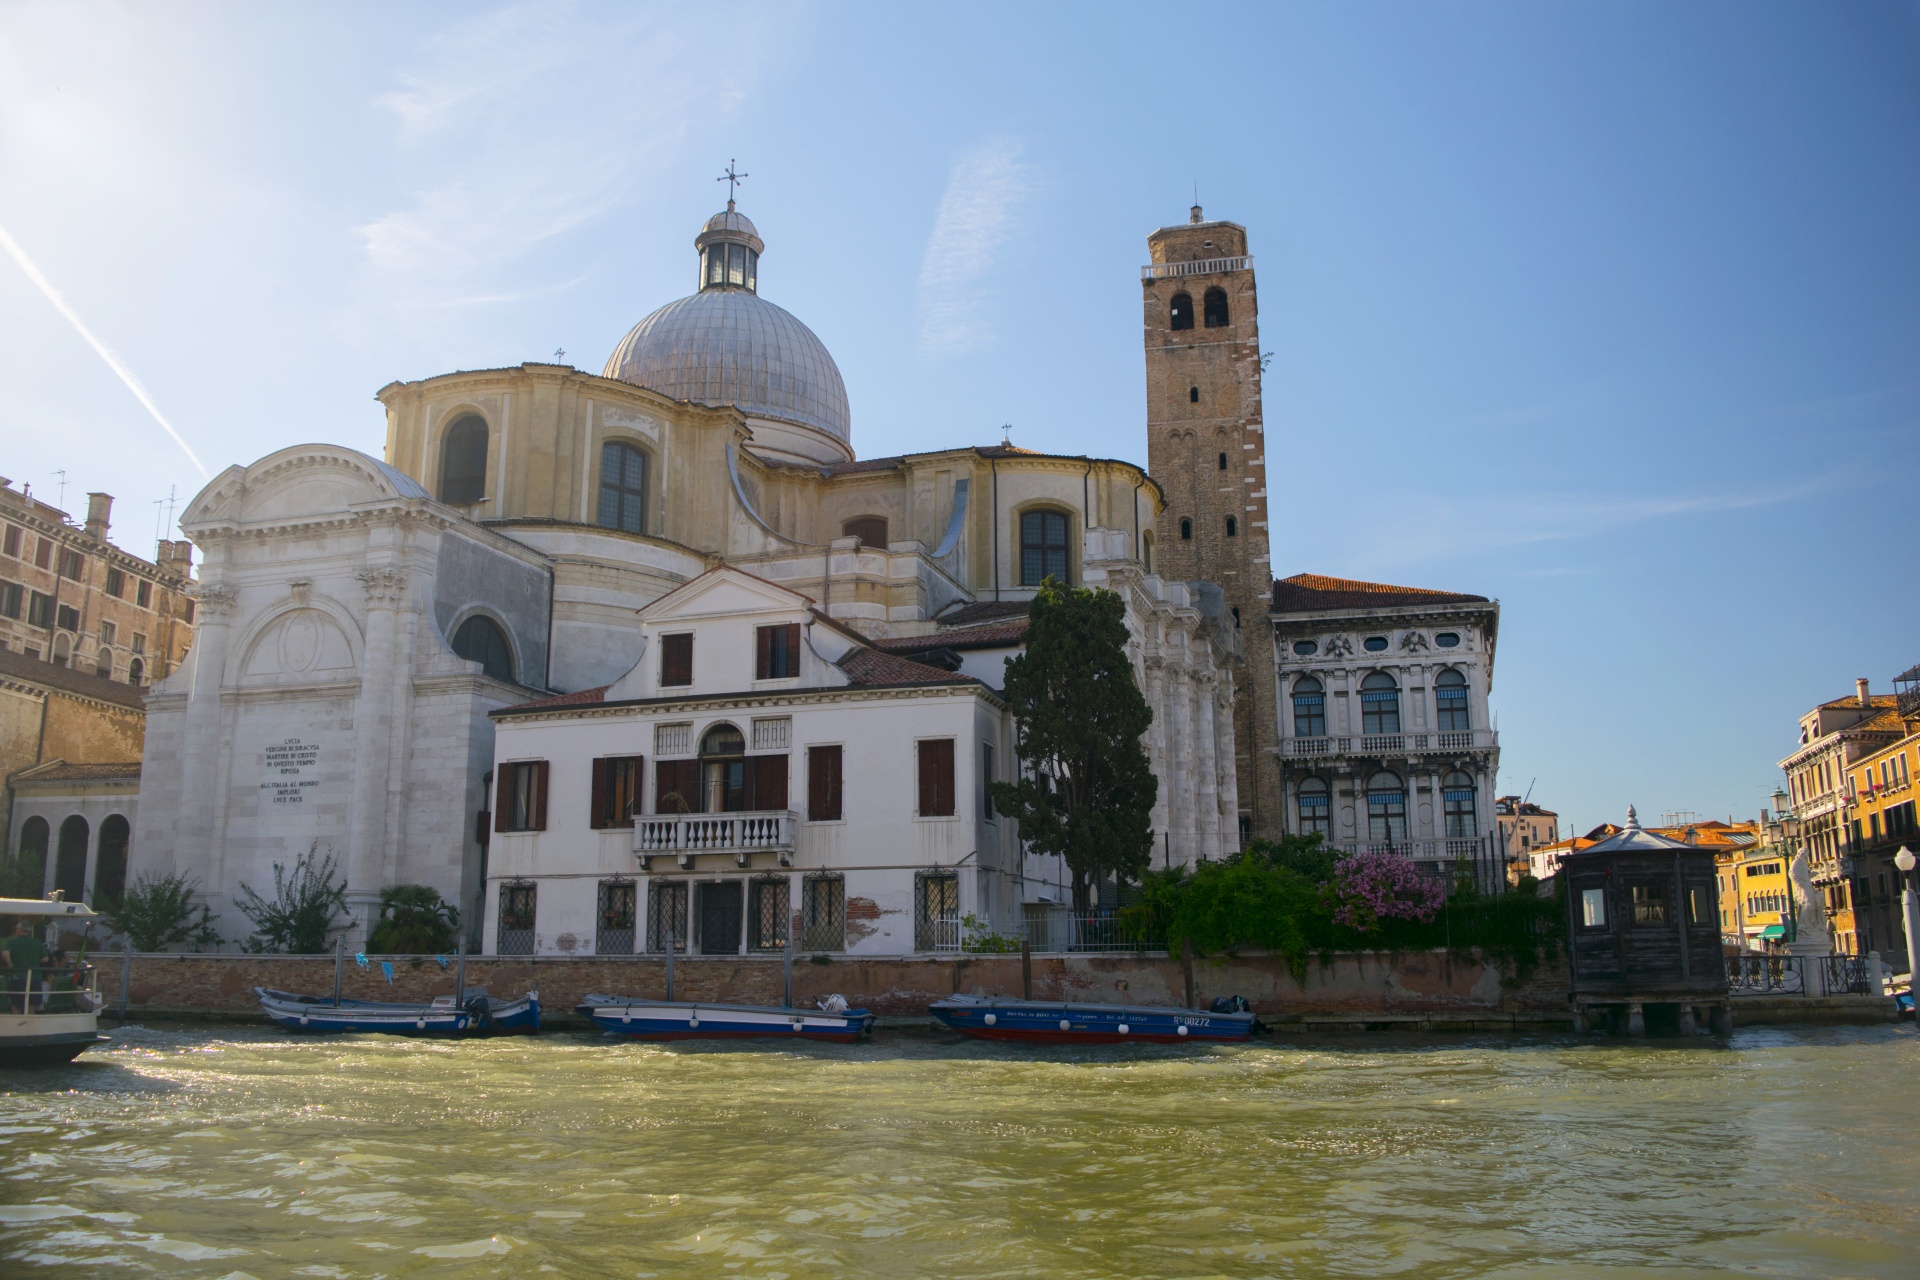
<point>1790,827</point>
<point>1909,911</point>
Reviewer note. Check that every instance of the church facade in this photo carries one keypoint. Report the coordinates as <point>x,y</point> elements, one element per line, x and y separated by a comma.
<point>383,644</point>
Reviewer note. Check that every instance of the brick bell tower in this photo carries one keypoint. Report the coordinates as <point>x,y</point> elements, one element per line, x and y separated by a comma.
<point>1207,449</point>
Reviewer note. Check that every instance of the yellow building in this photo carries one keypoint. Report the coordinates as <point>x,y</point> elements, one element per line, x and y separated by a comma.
<point>1880,818</point>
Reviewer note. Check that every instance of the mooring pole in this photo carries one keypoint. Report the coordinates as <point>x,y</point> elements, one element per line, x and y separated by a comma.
<point>669,966</point>
<point>1186,967</point>
<point>788,964</point>
<point>126,975</point>
<point>1026,969</point>
<point>339,967</point>
<point>460,975</point>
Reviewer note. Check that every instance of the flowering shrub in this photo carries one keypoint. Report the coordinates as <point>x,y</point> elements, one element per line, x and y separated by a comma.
<point>1370,887</point>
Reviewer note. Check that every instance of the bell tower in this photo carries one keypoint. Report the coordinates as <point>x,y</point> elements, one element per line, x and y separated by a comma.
<point>1207,449</point>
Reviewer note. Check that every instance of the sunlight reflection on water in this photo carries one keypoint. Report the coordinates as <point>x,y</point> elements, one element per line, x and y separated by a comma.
<point>215,1152</point>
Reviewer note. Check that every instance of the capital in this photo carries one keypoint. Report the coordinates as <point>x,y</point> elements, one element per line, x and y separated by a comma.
<point>385,586</point>
<point>216,600</point>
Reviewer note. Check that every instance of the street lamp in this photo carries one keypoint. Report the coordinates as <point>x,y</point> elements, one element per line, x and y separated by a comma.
<point>1909,911</point>
<point>1790,828</point>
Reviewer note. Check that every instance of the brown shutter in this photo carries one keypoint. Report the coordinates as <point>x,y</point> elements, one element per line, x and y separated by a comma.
<point>503,798</point>
<point>539,796</point>
<point>676,659</point>
<point>602,769</point>
<point>762,652</point>
<point>768,780</point>
<point>823,784</point>
<point>676,788</point>
<point>793,648</point>
<point>936,778</point>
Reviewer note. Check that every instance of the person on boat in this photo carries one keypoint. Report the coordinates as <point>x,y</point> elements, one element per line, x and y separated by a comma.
<point>24,956</point>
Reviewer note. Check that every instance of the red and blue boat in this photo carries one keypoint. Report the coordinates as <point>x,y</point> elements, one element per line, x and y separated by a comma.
<point>1069,1022</point>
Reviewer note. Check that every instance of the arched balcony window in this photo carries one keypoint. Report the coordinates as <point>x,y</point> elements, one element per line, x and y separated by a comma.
<point>1386,808</point>
<point>1379,704</point>
<point>1043,548</point>
<point>1316,807</point>
<point>480,640</point>
<point>1216,308</point>
<point>1309,708</point>
<point>1457,795</point>
<point>723,769</point>
<point>1180,310</point>
<point>1450,697</point>
<point>623,487</point>
<point>463,461</point>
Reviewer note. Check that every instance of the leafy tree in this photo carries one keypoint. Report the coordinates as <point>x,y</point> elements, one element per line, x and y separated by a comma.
<point>22,876</point>
<point>1087,791</point>
<point>302,911</point>
<point>159,913</point>
<point>413,920</point>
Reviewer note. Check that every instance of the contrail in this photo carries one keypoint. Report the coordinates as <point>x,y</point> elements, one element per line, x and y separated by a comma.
<point>120,370</point>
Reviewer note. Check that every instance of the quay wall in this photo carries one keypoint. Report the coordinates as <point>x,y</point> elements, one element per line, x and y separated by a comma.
<point>1418,989</point>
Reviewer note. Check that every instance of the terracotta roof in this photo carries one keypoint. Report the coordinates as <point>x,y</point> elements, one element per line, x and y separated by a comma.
<point>580,699</point>
<point>1310,591</point>
<point>869,667</point>
<point>994,635</point>
<point>62,771</point>
<point>66,679</point>
<point>1875,700</point>
<point>968,615</point>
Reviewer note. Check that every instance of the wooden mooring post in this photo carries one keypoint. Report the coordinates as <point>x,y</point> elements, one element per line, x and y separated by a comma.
<point>1186,967</point>
<point>1026,969</point>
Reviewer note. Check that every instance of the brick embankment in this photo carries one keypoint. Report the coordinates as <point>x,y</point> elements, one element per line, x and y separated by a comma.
<point>1413,990</point>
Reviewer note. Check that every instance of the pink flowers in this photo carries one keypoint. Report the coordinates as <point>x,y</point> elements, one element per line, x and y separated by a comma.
<point>1370,887</point>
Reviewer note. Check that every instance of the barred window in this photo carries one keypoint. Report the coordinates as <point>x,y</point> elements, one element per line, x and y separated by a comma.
<point>768,915</point>
<point>517,907</point>
<point>823,913</point>
<point>666,914</point>
<point>936,911</point>
<point>618,900</point>
<point>1309,708</point>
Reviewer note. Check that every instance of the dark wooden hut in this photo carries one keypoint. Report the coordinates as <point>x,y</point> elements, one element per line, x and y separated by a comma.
<point>1643,929</point>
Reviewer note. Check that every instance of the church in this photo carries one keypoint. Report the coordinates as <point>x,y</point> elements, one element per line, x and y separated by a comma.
<point>653,654</point>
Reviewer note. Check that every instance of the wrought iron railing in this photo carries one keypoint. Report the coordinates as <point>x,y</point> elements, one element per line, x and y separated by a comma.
<point>1060,928</point>
<point>1785,975</point>
<point>941,934</point>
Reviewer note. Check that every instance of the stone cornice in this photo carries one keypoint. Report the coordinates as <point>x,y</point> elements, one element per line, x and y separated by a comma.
<point>707,703</point>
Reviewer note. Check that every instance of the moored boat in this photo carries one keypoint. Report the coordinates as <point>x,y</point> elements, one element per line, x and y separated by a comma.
<point>1068,1022</point>
<point>706,1020</point>
<point>479,1014</point>
<point>49,1014</point>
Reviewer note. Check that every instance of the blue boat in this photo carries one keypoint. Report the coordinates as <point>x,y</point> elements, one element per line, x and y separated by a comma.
<point>1067,1022</point>
<point>641,1019</point>
<point>477,1015</point>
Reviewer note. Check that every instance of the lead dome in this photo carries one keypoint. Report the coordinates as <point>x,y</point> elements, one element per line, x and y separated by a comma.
<point>727,345</point>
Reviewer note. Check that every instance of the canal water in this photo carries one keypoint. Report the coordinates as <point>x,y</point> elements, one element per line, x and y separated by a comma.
<point>225,1153</point>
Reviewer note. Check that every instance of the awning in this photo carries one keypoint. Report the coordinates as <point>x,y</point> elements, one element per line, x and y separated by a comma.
<point>1774,931</point>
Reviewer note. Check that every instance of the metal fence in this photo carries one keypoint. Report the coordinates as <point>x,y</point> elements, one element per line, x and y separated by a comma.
<point>1060,928</point>
<point>1798,976</point>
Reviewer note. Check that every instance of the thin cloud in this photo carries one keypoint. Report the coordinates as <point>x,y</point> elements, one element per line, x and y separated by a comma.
<point>113,361</point>
<point>974,220</point>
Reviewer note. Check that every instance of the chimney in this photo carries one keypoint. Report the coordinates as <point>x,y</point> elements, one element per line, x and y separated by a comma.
<point>98,507</point>
<point>1860,687</point>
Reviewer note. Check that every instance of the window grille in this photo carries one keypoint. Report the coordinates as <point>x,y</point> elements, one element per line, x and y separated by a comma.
<point>936,912</point>
<point>618,899</point>
<point>773,733</point>
<point>666,914</point>
<point>823,913</point>
<point>673,740</point>
<point>768,915</point>
<point>517,907</point>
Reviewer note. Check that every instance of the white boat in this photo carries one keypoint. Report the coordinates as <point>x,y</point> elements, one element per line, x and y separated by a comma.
<point>54,1014</point>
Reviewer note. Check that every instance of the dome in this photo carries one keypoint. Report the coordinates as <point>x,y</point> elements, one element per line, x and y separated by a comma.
<point>728,345</point>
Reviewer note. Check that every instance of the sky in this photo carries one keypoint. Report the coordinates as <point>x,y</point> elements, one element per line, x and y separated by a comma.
<point>1610,312</point>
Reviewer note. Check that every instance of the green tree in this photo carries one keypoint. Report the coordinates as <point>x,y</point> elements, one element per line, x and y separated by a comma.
<point>302,911</point>
<point>1087,792</point>
<point>413,920</point>
<point>159,913</point>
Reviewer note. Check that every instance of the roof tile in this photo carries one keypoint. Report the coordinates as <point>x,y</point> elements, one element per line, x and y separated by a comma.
<point>1310,591</point>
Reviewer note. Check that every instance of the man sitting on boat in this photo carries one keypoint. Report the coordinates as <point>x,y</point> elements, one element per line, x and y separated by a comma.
<point>25,956</point>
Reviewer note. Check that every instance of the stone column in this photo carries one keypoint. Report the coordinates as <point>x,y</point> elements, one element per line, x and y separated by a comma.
<point>1180,762</point>
<point>1157,753</point>
<point>373,727</point>
<point>1207,767</point>
<point>195,843</point>
<point>1223,751</point>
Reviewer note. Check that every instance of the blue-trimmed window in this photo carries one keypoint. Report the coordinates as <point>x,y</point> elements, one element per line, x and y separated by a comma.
<point>1379,704</point>
<point>1309,708</point>
<point>1457,794</point>
<point>1316,808</point>
<point>1450,697</point>
<point>1386,808</point>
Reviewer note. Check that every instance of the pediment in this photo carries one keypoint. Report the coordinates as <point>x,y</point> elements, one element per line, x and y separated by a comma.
<point>721,593</point>
<point>298,484</point>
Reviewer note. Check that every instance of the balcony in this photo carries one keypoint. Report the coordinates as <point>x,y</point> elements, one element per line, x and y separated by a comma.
<point>1204,267</point>
<point>1391,744</point>
<point>683,836</point>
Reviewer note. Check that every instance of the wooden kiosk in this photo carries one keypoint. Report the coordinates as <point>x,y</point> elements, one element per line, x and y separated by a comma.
<point>1643,932</point>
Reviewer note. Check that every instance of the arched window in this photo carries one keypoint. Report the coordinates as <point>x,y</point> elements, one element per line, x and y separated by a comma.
<point>136,672</point>
<point>463,462</point>
<point>70,864</point>
<point>30,872</point>
<point>1043,548</point>
<point>1146,553</point>
<point>110,865</point>
<point>623,487</point>
<point>1450,693</point>
<point>1379,704</point>
<point>1233,527</point>
<point>1456,793</point>
<point>1186,531</point>
<point>1386,808</point>
<point>871,530</point>
<point>480,640</point>
<point>1216,307</point>
<point>103,663</point>
<point>1193,395</point>
<point>1316,809</point>
<point>62,650</point>
<point>1309,708</point>
<point>1181,310</point>
<point>723,769</point>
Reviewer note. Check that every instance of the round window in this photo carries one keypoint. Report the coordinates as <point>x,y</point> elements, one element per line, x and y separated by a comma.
<point>1306,648</point>
<point>1447,639</point>
<point>1376,643</point>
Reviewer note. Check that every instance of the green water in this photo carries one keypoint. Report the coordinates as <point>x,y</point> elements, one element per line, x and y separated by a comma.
<point>224,1152</point>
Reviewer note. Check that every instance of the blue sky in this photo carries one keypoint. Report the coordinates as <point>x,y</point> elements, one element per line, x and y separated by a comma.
<point>1608,311</point>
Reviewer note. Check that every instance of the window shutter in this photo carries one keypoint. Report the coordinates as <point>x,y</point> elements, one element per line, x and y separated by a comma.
<point>675,786</point>
<point>676,659</point>
<point>598,817</point>
<point>793,648</point>
<point>503,798</point>
<point>823,784</point>
<point>936,778</point>
<point>762,653</point>
<point>539,823</point>
<point>769,782</point>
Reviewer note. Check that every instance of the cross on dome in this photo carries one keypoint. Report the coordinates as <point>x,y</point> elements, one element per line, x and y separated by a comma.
<point>732,180</point>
